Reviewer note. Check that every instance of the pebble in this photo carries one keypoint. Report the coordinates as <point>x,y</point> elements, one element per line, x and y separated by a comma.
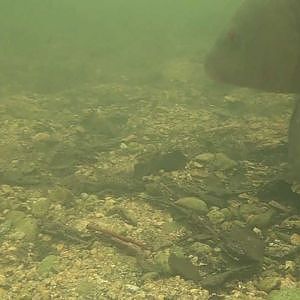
<point>194,204</point>
<point>48,265</point>
<point>295,239</point>
<point>205,157</point>
<point>268,284</point>
<point>3,280</point>
<point>40,207</point>
<point>28,227</point>
<point>84,196</point>
<point>216,216</point>
<point>62,196</point>
<point>41,137</point>
<point>201,249</point>
<point>131,288</point>
<point>161,259</point>
<point>150,276</point>
<point>262,220</point>
<point>3,294</point>
<point>123,146</point>
<point>223,162</point>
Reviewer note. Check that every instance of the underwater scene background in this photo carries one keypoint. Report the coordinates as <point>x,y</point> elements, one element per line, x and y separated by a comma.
<point>126,172</point>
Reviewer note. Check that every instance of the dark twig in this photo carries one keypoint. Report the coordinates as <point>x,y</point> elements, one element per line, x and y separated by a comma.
<point>114,236</point>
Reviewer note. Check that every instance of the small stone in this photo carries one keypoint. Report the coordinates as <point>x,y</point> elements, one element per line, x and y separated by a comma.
<point>247,209</point>
<point>14,216</point>
<point>86,289</point>
<point>62,195</point>
<point>262,220</point>
<point>197,165</point>
<point>134,147</point>
<point>49,265</point>
<point>3,294</point>
<point>201,249</point>
<point>3,280</point>
<point>28,228</point>
<point>223,162</point>
<point>5,188</point>
<point>123,146</point>
<point>205,157</point>
<point>129,138</point>
<point>84,196</point>
<point>161,259</point>
<point>150,276</point>
<point>41,137</point>
<point>79,129</point>
<point>126,214</point>
<point>131,288</point>
<point>184,267</point>
<point>108,204</point>
<point>40,207</point>
<point>216,216</point>
<point>268,284</point>
<point>279,250</point>
<point>194,204</point>
<point>290,266</point>
<point>295,224</point>
<point>5,203</point>
<point>226,212</point>
<point>295,239</point>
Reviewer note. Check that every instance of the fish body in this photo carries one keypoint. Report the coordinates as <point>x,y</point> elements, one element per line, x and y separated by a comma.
<point>261,47</point>
<point>261,50</point>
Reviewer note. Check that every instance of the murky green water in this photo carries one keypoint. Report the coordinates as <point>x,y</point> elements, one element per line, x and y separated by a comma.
<point>125,172</point>
<point>52,45</point>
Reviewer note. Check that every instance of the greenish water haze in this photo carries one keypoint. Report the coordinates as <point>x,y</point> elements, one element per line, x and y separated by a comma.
<point>50,45</point>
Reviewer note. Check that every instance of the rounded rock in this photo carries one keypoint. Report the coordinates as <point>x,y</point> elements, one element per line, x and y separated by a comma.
<point>216,216</point>
<point>40,207</point>
<point>193,203</point>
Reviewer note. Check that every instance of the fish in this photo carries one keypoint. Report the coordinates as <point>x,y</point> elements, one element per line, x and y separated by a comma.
<point>260,48</point>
